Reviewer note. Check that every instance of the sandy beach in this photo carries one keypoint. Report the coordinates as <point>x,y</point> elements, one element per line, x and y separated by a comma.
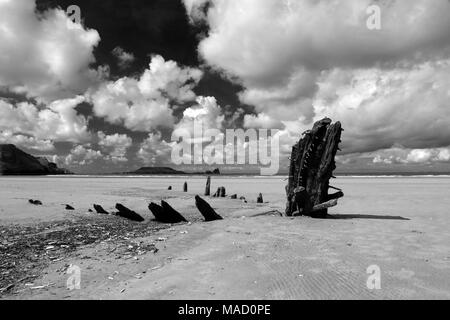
<point>253,253</point>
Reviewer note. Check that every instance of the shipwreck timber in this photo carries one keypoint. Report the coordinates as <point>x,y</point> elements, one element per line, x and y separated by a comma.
<point>311,167</point>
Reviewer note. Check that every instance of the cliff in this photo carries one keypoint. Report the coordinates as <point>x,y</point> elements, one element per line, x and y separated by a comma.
<point>14,161</point>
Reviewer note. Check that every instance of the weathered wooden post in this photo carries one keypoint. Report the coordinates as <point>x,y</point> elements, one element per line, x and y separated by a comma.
<point>223,192</point>
<point>206,210</point>
<point>208,186</point>
<point>260,199</point>
<point>311,168</point>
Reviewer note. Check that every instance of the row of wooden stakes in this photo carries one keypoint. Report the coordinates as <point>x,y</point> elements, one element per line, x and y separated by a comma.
<point>164,213</point>
<point>220,193</point>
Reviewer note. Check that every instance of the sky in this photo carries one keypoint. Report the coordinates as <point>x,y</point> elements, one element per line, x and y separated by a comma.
<point>105,94</point>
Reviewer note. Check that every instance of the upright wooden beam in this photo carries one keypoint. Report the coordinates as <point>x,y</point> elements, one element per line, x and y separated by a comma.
<point>208,186</point>
<point>311,168</point>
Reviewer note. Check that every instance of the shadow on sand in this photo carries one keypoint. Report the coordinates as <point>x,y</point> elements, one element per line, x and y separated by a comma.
<point>364,216</point>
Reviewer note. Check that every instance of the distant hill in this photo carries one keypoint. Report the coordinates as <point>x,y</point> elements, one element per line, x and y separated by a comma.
<point>14,161</point>
<point>156,170</point>
<point>169,171</point>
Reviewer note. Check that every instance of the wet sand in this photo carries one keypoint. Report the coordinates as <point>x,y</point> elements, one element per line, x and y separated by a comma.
<point>253,253</point>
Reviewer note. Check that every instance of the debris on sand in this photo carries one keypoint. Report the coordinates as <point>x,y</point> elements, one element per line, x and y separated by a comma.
<point>206,210</point>
<point>69,207</point>
<point>35,202</point>
<point>124,212</point>
<point>26,250</point>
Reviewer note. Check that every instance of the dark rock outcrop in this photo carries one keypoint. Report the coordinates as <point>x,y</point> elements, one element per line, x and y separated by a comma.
<point>69,207</point>
<point>14,161</point>
<point>124,212</point>
<point>214,172</point>
<point>156,170</point>
<point>206,210</point>
<point>35,202</point>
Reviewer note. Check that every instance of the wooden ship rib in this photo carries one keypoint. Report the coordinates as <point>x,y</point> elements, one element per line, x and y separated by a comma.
<point>311,167</point>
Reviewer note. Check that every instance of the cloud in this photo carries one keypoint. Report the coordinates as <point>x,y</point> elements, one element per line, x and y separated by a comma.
<point>428,155</point>
<point>261,120</point>
<point>115,146</point>
<point>27,142</point>
<point>206,112</point>
<point>154,150</point>
<point>58,122</point>
<point>380,108</point>
<point>302,60</point>
<point>400,155</point>
<point>45,55</point>
<point>124,59</point>
<point>82,155</point>
<point>146,103</point>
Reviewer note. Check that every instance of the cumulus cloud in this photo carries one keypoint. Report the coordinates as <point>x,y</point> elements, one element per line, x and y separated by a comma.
<point>400,155</point>
<point>302,60</point>
<point>379,108</point>
<point>44,55</point>
<point>115,146</point>
<point>154,150</point>
<point>57,122</point>
<point>82,155</point>
<point>27,142</point>
<point>206,112</point>
<point>124,59</point>
<point>146,103</point>
<point>428,155</point>
<point>262,120</point>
